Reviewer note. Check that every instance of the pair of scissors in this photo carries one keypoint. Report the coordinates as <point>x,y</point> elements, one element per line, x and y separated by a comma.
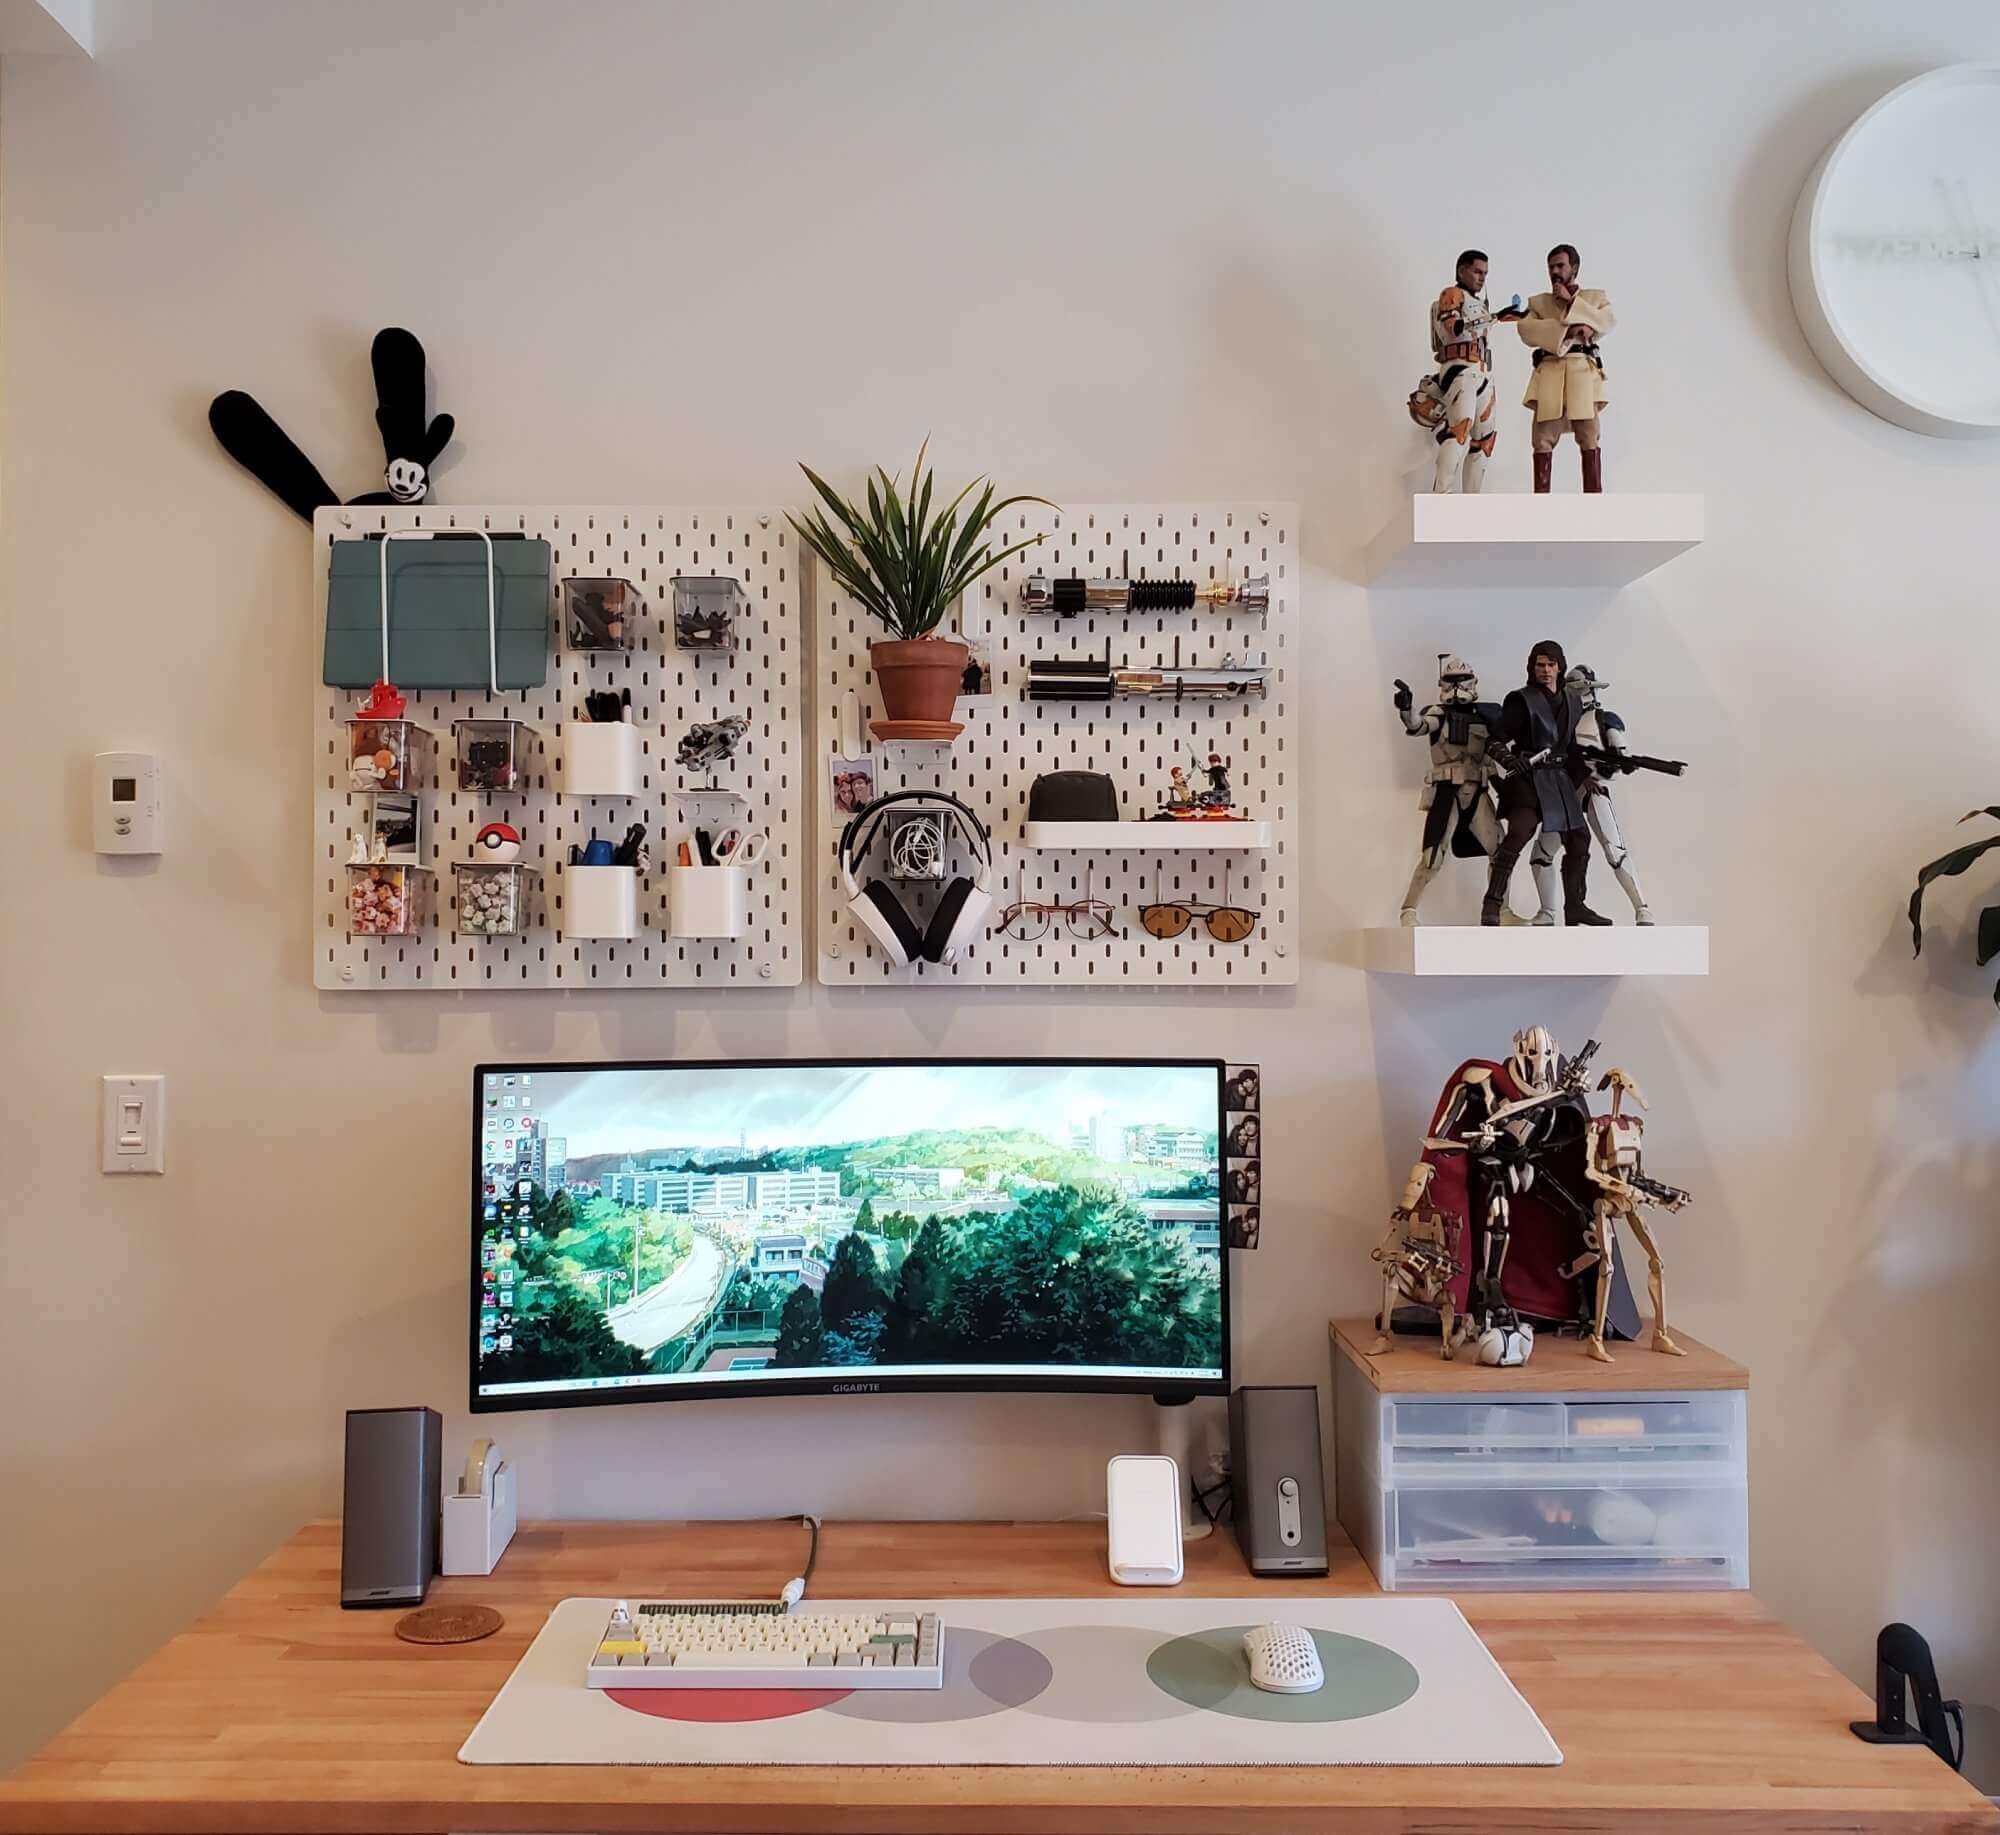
<point>742,848</point>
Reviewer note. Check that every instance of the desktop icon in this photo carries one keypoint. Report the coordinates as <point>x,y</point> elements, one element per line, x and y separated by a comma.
<point>506,1341</point>
<point>486,1347</point>
<point>524,1232</point>
<point>488,1320</point>
<point>525,1187</point>
<point>526,1079</point>
<point>489,1255</point>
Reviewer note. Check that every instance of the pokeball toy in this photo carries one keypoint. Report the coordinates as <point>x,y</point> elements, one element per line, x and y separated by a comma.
<point>497,843</point>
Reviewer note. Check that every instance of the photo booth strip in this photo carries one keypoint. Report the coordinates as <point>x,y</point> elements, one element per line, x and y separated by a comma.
<point>1242,1155</point>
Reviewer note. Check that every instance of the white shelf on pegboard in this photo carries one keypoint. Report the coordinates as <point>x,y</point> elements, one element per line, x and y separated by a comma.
<point>1516,539</point>
<point>1530,949</point>
<point>1149,835</point>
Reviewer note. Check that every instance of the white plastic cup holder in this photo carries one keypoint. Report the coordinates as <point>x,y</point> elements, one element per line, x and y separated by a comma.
<point>600,903</point>
<point>707,901</point>
<point>600,758</point>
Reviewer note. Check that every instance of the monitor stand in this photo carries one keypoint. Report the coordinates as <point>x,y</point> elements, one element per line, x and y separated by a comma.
<point>1180,1443</point>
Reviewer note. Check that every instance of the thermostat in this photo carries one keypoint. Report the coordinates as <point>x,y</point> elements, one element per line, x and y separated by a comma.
<point>125,813</point>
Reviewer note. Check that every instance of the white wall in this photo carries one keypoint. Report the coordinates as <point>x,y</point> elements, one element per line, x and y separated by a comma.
<point>1111,252</point>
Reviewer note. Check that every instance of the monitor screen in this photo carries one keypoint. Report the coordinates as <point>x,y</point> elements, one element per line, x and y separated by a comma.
<point>643,1231</point>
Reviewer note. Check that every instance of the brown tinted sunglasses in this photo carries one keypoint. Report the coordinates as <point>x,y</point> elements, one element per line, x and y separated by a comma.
<point>1226,923</point>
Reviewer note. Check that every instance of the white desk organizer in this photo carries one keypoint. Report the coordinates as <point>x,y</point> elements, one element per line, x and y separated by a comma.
<point>1009,740</point>
<point>478,1524</point>
<point>761,679</point>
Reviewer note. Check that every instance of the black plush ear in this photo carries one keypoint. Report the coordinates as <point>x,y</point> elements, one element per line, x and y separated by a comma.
<point>435,440</point>
<point>398,360</point>
<point>263,448</point>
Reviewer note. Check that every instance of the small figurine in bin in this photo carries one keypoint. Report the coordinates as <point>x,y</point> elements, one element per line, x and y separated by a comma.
<point>386,901</point>
<point>705,608</point>
<point>598,613</point>
<point>384,750</point>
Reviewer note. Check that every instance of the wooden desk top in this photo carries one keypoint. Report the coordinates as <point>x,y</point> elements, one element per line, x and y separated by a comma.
<point>280,1712</point>
<point>1413,1366</point>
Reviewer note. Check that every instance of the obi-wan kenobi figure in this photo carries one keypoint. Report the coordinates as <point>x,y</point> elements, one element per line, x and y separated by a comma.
<point>1566,390</point>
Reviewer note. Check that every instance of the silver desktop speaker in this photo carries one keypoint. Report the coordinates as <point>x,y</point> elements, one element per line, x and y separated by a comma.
<point>390,1505</point>
<point>1277,1488</point>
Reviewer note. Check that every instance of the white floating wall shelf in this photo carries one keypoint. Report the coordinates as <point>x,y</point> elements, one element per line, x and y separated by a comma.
<point>1527,949</point>
<point>1519,539</point>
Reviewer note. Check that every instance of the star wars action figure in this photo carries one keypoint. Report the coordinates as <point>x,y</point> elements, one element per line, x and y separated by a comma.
<point>1454,403</point>
<point>1419,1258</point>
<point>1218,795</point>
<point>1599,753</point>
<point>1537,792</point>
<point>1613,1165</point>
<point>1507,1161</point>
<point>1562,327</point>
<point>1456,798</point>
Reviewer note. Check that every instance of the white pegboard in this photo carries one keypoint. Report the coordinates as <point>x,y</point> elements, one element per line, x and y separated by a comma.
<point>1009,741</point>
<point>670,690</point>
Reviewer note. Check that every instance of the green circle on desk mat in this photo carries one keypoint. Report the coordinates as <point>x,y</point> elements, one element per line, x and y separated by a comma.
<point>1209,1670</point>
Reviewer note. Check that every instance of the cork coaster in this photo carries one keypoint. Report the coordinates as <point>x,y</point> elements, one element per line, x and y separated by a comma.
<point>448,1624</point>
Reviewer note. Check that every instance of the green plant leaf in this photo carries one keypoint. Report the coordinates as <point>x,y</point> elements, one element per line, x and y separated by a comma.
<point>1947,866</point>
<point>1989,934</point>
<point>898,555</point>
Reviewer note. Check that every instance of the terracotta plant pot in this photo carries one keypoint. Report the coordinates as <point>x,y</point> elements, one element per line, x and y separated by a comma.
<point>919,679</point>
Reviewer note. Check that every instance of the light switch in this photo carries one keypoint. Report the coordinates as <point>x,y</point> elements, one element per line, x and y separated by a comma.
<point>134,1113</point>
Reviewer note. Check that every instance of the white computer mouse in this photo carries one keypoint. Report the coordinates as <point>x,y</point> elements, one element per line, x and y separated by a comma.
<point>1283,1660</point>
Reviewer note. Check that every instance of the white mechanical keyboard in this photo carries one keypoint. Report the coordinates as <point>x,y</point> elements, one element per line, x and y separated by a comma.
<point>764,1644</point>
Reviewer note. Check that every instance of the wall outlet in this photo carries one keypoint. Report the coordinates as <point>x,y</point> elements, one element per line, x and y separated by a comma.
<point>134,1124</point>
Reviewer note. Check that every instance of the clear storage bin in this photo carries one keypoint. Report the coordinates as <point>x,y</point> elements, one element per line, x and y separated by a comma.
<point>389,755</point>
<point>496,757</point>
<point>705,611</point>
<point>387,901</point>
<point>1525,1491</point>
<point>493,899</point>
<point>600,614</point>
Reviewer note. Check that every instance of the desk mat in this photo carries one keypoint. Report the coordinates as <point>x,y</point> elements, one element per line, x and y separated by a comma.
<point>1153,1680</point>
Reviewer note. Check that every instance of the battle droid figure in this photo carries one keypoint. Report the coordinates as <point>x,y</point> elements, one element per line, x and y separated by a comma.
<point>1613,1165</point>
<point>1456,799</point>
<point>1454,404</point>
<point>1566,389</point>
<point>1419,1258</point>
<point>1599,753</point>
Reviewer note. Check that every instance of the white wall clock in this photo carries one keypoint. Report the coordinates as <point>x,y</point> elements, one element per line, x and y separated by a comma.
<point>1895,255</point>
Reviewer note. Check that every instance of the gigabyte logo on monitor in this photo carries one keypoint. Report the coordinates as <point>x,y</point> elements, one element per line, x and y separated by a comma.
<point>857,1388</point>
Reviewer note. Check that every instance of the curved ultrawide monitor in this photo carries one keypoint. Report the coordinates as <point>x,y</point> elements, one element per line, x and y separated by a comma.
<point>646,1231</point>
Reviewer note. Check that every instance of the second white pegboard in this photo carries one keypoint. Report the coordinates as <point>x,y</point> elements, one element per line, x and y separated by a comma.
<point>1009,741</point>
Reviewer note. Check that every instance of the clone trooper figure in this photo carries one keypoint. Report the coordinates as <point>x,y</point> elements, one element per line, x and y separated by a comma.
<point>1455,403</point>
<point>1594,726</point>
<point>1455,799</point>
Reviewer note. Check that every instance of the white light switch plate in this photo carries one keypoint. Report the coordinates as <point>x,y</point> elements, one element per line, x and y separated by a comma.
<point>135,1124</point>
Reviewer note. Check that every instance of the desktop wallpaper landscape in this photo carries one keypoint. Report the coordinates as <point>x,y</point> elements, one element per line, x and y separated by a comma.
<point>640,1226</point>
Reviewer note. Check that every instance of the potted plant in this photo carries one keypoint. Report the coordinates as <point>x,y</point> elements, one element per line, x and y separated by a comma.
<point>907,564</point>
<point>1948,866</point>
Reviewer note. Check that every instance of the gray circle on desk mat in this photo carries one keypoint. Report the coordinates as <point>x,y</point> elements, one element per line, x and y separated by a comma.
<point>1099,1671</point>
<point>1207,1669</point>
<point>984,1673</point>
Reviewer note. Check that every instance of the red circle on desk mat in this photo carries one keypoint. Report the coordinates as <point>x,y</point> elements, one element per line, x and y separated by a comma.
<point>726,1704</point>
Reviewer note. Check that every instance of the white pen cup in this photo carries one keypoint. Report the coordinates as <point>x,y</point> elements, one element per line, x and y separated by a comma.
<point>600,903</point>
<point>600,759</point>
<point>707,901</point>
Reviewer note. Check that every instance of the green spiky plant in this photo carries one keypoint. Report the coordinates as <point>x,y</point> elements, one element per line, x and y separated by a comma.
<point>905,564</point>
<point>1949,866</point>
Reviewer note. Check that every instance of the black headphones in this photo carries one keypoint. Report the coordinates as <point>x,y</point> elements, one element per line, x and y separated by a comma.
<point>961,911</point>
